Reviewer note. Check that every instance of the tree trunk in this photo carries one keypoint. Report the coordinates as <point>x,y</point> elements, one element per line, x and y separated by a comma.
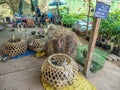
<point>88,16</point>
<point>43,4</point>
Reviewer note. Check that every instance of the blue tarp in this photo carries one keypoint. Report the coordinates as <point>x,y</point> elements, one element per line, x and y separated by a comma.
<point>50,15</point>
<point>27,53</point>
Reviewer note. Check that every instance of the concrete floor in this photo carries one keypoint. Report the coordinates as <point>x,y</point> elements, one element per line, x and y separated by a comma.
<point>24,73</point>
<point>108,78</point>
<point>21,74</point>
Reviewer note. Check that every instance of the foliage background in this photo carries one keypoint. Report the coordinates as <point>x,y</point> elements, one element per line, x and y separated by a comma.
<point>75,6</point>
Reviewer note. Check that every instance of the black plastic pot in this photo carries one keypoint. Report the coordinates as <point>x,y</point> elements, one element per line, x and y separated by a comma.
<point>33,32</point>
<point>67,25</point>
<point>87,38</point>
<point>116,51</point>
<point>118,54</point>
<point>98,43</point>
<point>103,39</point>
<point>106,47</point>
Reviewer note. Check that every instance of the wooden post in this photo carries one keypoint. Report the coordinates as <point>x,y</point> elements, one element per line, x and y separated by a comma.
<point>101,11</point>
<point>93,38</point>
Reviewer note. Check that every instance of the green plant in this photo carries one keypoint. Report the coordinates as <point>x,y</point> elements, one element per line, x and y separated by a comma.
<point>71,18</point>
<point>84,52</point>
<point>110,27</point>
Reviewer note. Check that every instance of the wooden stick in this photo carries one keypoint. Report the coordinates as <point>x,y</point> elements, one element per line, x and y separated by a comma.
<point>92,42</point>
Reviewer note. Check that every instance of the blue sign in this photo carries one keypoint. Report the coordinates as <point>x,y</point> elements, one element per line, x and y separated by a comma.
<point>102,10</point>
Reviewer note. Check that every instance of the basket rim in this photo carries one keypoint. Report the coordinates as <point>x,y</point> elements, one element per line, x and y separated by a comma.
<point>59,66</point>
<point>21,40</point>
<point>38,39</point>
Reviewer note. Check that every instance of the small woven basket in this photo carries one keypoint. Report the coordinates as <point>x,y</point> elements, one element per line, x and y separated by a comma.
<point>59,70</point>
<point>37,44</point>
<point>14,48</point>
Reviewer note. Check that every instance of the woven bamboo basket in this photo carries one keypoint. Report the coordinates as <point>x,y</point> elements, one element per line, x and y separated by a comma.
<point>59,70</point>
<point>14,48</point>
<point>37,44</point>
<point>62,41</point>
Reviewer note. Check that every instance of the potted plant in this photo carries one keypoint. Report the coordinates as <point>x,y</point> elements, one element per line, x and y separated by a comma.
<point>110,30</point>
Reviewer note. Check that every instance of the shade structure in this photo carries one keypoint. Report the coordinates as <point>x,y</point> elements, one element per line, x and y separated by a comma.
<point>57,2</point>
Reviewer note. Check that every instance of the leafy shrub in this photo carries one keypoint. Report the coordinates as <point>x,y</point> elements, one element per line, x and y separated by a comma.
<point>71,18</point>
<point>110,27</point>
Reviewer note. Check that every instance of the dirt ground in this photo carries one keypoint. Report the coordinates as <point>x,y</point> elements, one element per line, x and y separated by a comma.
<point>24,73</point>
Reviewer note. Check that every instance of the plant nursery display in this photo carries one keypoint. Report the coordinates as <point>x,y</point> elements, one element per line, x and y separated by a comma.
<point>69,19</point>
<point>109,34</point>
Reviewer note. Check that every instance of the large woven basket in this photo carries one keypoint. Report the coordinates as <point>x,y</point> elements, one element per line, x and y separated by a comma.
<point>14,48</point>
<point>37,44</point>
<point>62,41</point>
<point>59,74</point>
